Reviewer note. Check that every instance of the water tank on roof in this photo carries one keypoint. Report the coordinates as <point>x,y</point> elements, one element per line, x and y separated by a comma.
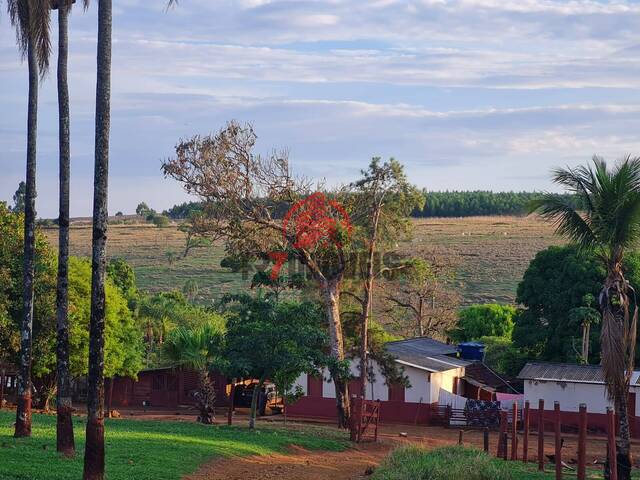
<point>472,351</point>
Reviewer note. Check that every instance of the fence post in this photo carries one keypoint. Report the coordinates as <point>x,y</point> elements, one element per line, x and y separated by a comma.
<point>505,445</point>
<point>582,439</point>
<point>541,435</point>
<point>514,431</point>
<point>611,445</point>
<point>460,433</point>
<point>485,439</point>
<point>558,456</point>
<point>502,431</point>
<point>525,432</point>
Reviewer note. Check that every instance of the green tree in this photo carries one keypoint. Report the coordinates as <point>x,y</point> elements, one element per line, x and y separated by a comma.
<point>487,320</point>
<point>11,293</point>
<point>271,340</point>
<point>123,277</point>
<point>503,356</point>
<point>608,225</point>
<point>554,284</point>
<point>31,21</point>
<point>383,201</point>
<point>143,209</point>
<point>19,198</point>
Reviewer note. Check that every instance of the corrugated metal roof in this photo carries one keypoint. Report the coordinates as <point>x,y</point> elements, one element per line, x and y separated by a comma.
<point>427,353</point>
<point>421,346</point>
<point>562,372</point>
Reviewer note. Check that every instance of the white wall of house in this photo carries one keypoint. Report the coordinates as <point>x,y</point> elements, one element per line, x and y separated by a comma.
<point>420,390</point>
<point>445,381</point>
<point>571,395</point>
<point>425,386</point>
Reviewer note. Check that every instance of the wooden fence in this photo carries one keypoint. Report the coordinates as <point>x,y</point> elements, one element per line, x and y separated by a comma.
<point>509,434</point>
<point>514,437</point>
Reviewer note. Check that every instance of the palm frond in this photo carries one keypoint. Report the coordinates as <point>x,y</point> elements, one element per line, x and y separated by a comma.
<point>579,181</point>
<point>568,222</point>
<point>31,19</point>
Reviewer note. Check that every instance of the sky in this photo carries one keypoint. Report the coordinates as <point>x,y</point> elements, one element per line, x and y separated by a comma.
<point>466,94</point>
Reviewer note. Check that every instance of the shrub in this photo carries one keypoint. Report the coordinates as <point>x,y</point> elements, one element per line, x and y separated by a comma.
<point>160,221</point>
<point>449,463</point>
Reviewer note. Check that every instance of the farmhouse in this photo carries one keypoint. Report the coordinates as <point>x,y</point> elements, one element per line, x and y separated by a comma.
<point>571,385</point>
<point>431,367</point>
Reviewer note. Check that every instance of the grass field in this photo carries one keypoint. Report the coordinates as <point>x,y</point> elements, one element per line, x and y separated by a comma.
<point>147,450</point>
<point>454,463</point>
<point>493,251</point>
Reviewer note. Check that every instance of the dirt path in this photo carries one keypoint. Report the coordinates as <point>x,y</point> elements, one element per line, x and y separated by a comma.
<point>298,464</point>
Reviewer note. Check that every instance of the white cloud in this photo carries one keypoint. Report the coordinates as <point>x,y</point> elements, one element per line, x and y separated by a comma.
<point>467,93</point>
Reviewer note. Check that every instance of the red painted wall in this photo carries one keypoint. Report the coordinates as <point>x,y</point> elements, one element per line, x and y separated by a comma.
<point>164,388</point>
<point>390,411</point>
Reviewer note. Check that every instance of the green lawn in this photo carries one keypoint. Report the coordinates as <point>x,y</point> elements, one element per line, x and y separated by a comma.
<point>147,450</point>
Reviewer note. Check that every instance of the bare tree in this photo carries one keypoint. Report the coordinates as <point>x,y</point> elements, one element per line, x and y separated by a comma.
<point>243,194</point>
<point>425,292</point>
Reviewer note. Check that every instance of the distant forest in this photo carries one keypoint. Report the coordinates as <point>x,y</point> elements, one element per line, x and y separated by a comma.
<point>438,204</point>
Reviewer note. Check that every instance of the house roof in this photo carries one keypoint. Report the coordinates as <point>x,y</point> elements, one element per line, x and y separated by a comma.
<point>566,372</point>
<point>425,353</point>
<point>479,373</point>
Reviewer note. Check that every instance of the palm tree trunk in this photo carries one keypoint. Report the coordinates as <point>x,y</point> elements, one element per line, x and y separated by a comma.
<point>23,412</point>
<point>94,450</point>
<point>618,347</point>
<point>64,427</point>
<point>623,450</point>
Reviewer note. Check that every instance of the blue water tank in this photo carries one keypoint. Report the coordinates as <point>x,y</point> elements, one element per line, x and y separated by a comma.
<point>472,351</point>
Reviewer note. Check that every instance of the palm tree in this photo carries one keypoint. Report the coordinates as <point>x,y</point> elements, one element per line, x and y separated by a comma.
<point>199,348</point>
<point>607,224</point>
<point>94,447</point>
<point>31,21</point>
<point>64,429</point>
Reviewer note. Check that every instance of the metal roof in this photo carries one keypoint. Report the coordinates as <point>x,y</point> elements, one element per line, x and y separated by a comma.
<point>562,372</point>
<point>425,353</point>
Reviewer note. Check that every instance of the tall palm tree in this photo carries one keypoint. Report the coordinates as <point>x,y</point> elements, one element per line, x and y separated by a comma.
<point>608,224</point>
<point>31,21</point>
<point>64,428</point>
<point>94,447</point>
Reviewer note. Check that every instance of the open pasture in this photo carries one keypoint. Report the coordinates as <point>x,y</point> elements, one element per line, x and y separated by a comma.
<point>493,253</point>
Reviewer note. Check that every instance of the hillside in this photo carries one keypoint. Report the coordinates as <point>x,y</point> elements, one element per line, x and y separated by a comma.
<point>493,254</point>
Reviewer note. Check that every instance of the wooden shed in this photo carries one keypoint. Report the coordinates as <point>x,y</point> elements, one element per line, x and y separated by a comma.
<point>163,387</point>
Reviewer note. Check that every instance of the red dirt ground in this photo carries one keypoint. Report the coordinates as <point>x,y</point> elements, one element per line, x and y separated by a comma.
<point>351,464</point>
<point>298,464</point>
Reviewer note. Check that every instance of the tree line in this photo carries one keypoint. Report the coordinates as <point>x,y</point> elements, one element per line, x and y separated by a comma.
<point>436,204</point>
<point>480,203</point>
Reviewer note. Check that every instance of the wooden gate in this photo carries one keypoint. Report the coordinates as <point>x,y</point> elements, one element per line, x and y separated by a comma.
<point>365,420</point>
